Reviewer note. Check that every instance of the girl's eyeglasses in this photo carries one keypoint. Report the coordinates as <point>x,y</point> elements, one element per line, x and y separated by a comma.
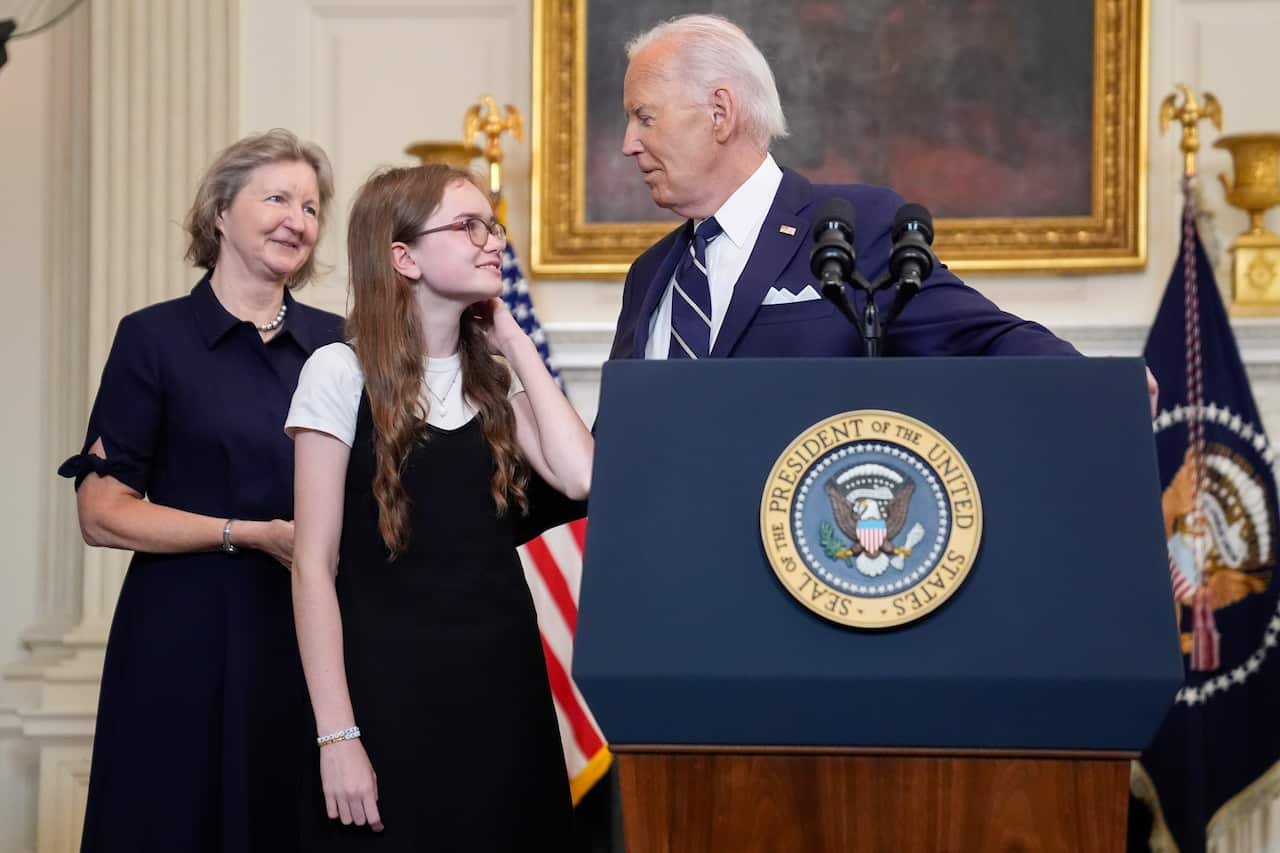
<point>477,230</point>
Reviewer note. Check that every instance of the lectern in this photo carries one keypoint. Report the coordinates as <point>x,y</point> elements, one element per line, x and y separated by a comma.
<point>743,720</point>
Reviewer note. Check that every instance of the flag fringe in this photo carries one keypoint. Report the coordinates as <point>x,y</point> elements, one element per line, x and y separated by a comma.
<point>1261,793</point>
<point>591,774</point>
<point>1143,788</point>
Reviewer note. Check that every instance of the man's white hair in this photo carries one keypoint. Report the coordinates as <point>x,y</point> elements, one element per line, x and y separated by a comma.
<point>714,51</point>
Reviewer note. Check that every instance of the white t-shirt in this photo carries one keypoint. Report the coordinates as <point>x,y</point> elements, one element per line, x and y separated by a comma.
<point>327,398</point>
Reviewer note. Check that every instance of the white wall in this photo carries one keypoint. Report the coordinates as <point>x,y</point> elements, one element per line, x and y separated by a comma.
<point>24,134</point>
<point>366,79</point>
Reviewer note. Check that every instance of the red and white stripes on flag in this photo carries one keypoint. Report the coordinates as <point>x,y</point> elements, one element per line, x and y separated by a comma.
<point>553,568</point>
<point>1183,589</point>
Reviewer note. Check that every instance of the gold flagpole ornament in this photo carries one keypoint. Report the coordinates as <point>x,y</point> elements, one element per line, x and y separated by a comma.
<point>1190,114</point>
<point>485,118</point>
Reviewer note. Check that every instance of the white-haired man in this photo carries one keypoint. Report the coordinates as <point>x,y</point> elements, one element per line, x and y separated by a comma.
<point>702,109</point>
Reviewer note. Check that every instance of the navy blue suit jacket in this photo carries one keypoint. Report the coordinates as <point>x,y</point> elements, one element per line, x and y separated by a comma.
<point>947,317</point>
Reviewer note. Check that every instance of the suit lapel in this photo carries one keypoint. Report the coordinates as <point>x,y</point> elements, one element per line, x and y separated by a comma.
<point>774,249</point>
<point>658,286</point>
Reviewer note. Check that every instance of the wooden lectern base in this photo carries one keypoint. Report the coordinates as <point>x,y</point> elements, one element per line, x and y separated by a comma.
<point>897,801</point>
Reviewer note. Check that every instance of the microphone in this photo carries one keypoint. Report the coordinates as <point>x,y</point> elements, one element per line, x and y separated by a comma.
<point>911,260</point>
<point>832,258</point>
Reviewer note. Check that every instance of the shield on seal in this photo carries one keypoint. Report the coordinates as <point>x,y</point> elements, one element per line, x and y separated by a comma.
<point>871,532</point>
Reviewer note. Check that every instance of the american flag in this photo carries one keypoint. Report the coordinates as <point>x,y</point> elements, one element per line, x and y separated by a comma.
<point>553,568</point>
<point>515,292</point>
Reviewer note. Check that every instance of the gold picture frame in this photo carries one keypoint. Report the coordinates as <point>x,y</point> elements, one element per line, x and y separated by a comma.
<point>1111,236</point>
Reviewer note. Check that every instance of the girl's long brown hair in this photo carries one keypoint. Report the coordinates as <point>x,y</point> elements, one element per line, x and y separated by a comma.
<point>383,328</point>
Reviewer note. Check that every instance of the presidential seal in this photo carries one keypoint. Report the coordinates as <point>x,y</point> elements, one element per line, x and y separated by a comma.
<point>1219,517</point>
<point>871,519</point>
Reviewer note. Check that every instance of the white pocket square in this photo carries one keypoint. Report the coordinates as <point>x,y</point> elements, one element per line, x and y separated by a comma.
<point>782,296</point>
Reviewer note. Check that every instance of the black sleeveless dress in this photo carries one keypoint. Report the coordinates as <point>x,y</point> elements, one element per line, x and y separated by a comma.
<point>445,664</point>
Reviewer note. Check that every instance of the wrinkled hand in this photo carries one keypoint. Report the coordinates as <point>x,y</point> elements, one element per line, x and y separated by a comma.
<point>350,785</point>
<point>500,328</point>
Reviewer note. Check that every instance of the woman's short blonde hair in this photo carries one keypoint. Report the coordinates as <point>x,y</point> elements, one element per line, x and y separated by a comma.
<point>228,175</point>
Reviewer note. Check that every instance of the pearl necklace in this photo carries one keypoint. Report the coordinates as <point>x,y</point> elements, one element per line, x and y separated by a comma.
<point>274,324</point>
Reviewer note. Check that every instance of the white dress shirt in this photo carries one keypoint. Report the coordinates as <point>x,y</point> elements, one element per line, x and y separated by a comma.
<point>741,217</point>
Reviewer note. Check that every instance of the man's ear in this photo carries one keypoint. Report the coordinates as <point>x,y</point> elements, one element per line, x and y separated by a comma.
<point>402,262</point>
<point>725,113</point>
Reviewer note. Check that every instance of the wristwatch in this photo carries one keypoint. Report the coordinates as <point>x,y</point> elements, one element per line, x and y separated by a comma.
<point>227,547</point>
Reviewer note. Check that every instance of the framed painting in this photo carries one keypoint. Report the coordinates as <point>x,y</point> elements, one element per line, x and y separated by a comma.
<point>1021,124</point>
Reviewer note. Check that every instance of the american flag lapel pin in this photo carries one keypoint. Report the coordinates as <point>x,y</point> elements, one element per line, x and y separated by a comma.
<point>789,230</point>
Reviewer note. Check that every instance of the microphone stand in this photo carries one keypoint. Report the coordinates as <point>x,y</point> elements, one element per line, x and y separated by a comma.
<point>910,262</point>
<point>833,261</point>
<point>871,323</point>
<point>868,325</point>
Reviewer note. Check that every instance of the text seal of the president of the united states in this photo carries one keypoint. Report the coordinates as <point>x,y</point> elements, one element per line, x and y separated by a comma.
<point>871,519</point>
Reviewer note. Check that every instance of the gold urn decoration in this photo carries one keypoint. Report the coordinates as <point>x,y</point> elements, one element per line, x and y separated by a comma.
<point>459,155</point>
<point>1255,254</point>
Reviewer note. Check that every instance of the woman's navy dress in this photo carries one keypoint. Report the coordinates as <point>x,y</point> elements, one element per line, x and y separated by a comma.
<point>203,716</point>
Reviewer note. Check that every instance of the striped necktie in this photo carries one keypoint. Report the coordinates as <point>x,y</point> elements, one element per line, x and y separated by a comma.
<point>691,297</point>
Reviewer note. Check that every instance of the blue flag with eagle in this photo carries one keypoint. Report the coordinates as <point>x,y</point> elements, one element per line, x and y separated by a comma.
<point>1215,763</point>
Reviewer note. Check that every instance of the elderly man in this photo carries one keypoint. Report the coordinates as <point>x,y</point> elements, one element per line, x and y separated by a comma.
<point>734,280</point>
<point>702,108</point>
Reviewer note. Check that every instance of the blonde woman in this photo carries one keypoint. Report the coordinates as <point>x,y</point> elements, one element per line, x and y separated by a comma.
<point>196,747</point>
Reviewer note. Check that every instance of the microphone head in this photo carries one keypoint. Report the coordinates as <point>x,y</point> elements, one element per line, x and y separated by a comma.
<point>913,217</point>
<point>834,213</point>
<point>832,253</point>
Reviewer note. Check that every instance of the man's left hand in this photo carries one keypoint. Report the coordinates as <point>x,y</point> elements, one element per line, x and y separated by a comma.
<point>1153,391</point>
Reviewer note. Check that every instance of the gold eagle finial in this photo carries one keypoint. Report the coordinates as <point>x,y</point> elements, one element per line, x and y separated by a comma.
<point>485,117</point>
<point>1190,114</point>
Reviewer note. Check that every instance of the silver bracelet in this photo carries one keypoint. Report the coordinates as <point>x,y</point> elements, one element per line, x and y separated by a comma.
<point>227,546</point>
<point>338,737</point>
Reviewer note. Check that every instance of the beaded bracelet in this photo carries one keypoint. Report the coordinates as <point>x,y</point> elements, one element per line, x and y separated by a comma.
<point>338,737</point>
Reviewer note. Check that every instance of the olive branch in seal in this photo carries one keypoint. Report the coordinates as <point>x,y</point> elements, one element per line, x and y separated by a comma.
<point>833,546</point>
